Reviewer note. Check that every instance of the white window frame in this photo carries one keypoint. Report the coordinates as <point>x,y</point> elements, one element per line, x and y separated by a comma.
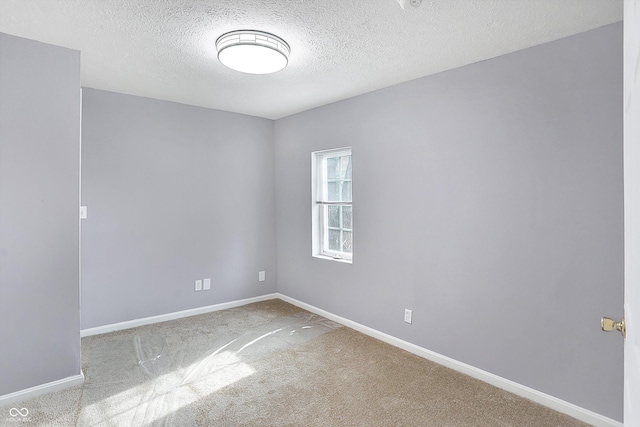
<point>320,206</point>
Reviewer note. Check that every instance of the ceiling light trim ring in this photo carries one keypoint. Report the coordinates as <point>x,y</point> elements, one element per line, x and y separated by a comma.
<point>261,39</point>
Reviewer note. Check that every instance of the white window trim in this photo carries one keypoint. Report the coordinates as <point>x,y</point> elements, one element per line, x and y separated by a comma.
<point>317,194</point>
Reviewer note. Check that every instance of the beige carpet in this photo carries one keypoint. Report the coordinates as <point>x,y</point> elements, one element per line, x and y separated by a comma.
<point>269,364</point>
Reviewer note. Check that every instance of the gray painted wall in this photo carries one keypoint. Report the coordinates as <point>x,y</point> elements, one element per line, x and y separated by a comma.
<point>39,230</point>
<point>487,199</point>
<point>175,193</point>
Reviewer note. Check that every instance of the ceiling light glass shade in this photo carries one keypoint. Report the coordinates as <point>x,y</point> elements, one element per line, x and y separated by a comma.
<point>253,52</point>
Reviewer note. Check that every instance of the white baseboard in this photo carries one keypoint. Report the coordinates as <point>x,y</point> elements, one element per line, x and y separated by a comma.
<point>171,316</point>
<point>39,390</point>
<point>549,401</point>
<point>52,387</point>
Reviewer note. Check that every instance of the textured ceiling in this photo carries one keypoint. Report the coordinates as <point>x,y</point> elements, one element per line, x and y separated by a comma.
<point>165,49</point>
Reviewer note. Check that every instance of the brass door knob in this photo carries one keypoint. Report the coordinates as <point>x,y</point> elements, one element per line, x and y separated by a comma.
<point>609,325</point>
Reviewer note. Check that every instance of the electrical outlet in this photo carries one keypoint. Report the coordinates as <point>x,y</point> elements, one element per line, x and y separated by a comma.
<point>407,315</point>
<point>206,285</point>
<point>198,285</point>
<point>261,276</point>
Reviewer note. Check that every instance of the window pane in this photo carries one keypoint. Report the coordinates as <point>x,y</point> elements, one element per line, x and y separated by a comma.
<point>332,168</point>
<point>334,216</point>
<point>345,167</point>
<point>347,241</point>
<point>334,240</point>
<point>346,191</point>
<point>346,217</point>
<point>333,190</point>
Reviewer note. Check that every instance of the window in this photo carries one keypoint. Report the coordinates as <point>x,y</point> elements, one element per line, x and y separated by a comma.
<point>332,205</point>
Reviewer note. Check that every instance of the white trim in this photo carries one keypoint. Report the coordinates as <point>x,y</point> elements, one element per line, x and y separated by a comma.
<point>171,316</point>
<point>80,219</point>
<point>330,258</point>
<point>549,401</point>
<point>39,390</point>
<point>631,167</point>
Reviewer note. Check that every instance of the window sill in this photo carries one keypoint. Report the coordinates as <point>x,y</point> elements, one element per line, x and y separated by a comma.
<point>330,258</point>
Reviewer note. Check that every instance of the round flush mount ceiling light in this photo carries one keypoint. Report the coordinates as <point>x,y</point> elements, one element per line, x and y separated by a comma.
<point>253,52</point>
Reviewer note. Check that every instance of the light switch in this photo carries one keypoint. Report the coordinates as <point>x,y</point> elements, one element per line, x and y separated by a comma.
<point>261,276</point>
<point>198,285</point>
<point>83,212</point>
<point>207,284</point>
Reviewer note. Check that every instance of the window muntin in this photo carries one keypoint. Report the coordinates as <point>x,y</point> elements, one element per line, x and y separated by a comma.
<point>333,225</point>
